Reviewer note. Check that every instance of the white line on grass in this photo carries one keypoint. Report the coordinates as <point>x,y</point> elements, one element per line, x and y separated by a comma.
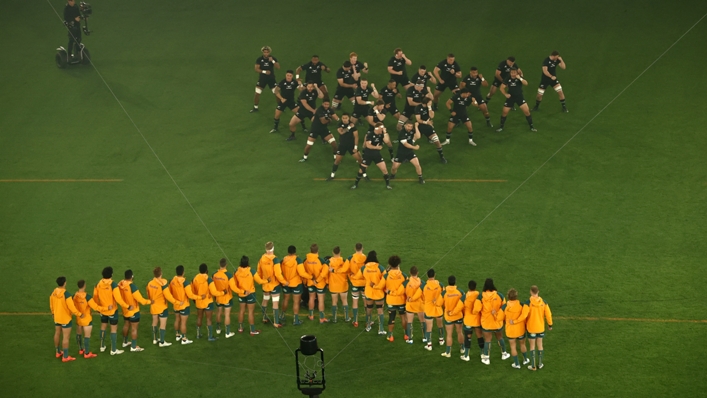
<point>165,169</point>
<point>550,158</point>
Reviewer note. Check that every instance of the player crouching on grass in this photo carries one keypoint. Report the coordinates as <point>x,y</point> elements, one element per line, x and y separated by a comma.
<point>181,291</point>
<point>158,291</point>
<point>516,314</point>
<point>453,314</point>
<point>84,302</point>
<point>538,313</point>
<point>243,285</point>
<point>62,307</point>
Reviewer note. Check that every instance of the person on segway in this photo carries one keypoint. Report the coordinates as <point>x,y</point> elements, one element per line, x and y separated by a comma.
<point>72,19</point>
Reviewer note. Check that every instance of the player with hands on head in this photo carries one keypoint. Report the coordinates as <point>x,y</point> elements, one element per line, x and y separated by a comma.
<point>265,67</point>
<point>549,79</point>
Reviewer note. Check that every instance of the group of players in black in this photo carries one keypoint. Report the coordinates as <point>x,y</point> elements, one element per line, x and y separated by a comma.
<point>371,106</point>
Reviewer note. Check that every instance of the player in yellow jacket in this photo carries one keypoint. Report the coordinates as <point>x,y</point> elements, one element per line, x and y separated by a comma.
<point>62,306</point>
<point>414,304</point>
<point>538,313</point>
<point>339,283</point>
<point>432,297</point>
<point>492,317</point>
<point>224,302</point>
<point>516,313</point>
<point>472,320</point>
<point>84,303</point>
<point>317,275</point>
<point>203,287</point>
<point>358,282</point>
<point>265,276</point>
<point>107,295</point>
<point>158,291</point>
<point>453,314</point>
<point>375,290</point>
<point>288,274</point>
<point>131,317</point>
<point>182,292</point>
<point>395,295</point>
<point>243,285</point>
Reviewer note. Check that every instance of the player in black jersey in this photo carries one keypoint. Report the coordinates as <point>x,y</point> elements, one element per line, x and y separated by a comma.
<point>377,115</point>
<point>503,71</point>
<point>313,72</point>
<point>363,95</point>
<point>424,75</point>
<point>372,146</point>
<point>348,142</point>
<point>447,72</point>
<point>285,93</point>
<point>549,79</point>
<point>424,115</point>
<point>397,68</point>
<point>388,94</point>
<point>457,106</point>
<point>307,105</point>
<point>323,115</point>
<point>406,150</point>
<point>264,67</point>
<point>413,98</point>
<point>357,67</point>
<point>346,84</point>
<point>473,82</point>
<point>515,84</point>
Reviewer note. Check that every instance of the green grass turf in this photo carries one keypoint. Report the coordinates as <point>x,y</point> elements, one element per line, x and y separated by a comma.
<point>612,226</point>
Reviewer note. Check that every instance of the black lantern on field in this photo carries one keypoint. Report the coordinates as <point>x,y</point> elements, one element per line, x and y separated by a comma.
<point>310,366</point>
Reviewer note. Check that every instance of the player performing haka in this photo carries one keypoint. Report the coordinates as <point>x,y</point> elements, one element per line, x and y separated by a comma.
<point>348,142</point>
<point>515,84</point>
<point>372,153</point>
<point>424,75</point>
<point>362,96</point>
<point>424,115</point>
<point>307,106</point>
<point>473,82</point>
<point>397,68</point>
<point>388,95</point>
<point>313,72</point>
<point>357,67</point>
<point>322,117</point>
<point>346,84</point>
<point>549,79</point>
<point>406,150</point>
<point>265,67</point>
<point>285,93</point>
<point>457,106</point>
<point>413,98</point>
<point>503,71</point>
<point>447,71</point>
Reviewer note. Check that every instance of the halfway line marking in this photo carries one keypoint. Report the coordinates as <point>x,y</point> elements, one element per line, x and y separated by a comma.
<point>67,180</point>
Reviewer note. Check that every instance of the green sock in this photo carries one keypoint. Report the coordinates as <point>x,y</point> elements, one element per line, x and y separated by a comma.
<point>103,335</point>
<point>441,332</point>
<point>211,330</point>
<point>408,329</point>
<point>113,341</point>
<point>240,326</point>
<point>423,330</point>
<point>355,314</point>
<point>66,352</point>
<point>155,331</point>
<point>532,359</point>
<point>502,342</point>
<point>86,344</point>
<point>252,328</point>
<point>277,315</point>
<point>525,356</point>
<point>133,344</point>
<point>428,336</point>
<point>311,313</point>
<point>78,340</point>
<point>333,311</point>
<point>321,315</point>
<point>515,360</point>
<point>162,333</point>
<point>346,312</point>
<point>368,319</point>
<point>218,325</point>
<point>487,347</point>
<point>58,351</point>
<point>381,318</point>
<point>449,350</point>
<point>296,318</point>
<point>228,329</point>
<point>198,331</point>
<point>540,357</point>
<point>466,351</point>
<point>125,339</point>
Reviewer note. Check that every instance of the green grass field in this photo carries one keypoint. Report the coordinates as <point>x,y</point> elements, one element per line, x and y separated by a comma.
<point>604,208</point>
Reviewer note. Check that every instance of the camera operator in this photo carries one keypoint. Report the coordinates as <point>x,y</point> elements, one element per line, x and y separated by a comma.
<point>72,19</point>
